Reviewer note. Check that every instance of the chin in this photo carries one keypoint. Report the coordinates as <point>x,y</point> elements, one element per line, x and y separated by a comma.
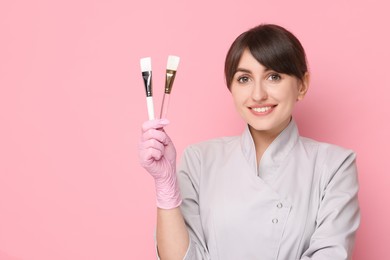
<point>260,127</point>
<point>263,129</point>
<point>269,126</point>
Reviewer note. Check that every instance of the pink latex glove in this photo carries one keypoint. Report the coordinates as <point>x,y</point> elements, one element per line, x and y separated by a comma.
<point>157,155</point>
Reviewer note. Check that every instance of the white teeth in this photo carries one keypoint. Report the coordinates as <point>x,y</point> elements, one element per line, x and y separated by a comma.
<point>261,109</point>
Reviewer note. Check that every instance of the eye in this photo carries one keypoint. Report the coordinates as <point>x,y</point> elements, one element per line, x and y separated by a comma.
<point>274,77</point>
<point>243,79</point>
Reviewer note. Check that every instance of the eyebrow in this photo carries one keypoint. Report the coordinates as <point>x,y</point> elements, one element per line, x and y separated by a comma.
<point>243,70</point>
<point>249,71</point>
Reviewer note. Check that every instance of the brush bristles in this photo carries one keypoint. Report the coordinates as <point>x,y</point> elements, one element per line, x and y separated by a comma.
<point>173,62</point>
<point>146,64</point>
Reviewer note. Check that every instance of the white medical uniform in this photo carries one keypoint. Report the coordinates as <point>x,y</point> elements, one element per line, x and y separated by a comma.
<point>300,202</point>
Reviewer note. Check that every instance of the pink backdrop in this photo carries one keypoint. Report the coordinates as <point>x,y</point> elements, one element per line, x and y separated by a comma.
<point>72,102</point>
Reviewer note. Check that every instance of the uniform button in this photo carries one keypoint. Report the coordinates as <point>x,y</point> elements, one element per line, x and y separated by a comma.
<point>275,220</point>
<point>280,205</point>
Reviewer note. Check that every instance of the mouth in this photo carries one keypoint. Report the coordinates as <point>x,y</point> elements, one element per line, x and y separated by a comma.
<point>263,109</point>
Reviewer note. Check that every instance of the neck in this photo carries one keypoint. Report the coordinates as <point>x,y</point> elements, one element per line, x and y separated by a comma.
<point>263,138</point>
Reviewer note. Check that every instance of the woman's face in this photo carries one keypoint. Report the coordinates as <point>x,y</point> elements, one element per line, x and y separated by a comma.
<point>264,98</point>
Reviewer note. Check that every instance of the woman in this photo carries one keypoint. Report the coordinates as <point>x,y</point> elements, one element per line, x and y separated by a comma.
<point>267,194</point>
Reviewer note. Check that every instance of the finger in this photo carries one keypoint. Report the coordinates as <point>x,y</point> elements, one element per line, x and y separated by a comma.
<point>154,124</point>
<point>158,135</point>
<point>152,144</point>
<point>150,155</point>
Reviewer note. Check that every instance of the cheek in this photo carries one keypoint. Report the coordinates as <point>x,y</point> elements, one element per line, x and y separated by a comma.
<point>239,100</point>
<point>288,94</point>
<point>236,100</point>
<point>240,97</point>
<point>236,95</point>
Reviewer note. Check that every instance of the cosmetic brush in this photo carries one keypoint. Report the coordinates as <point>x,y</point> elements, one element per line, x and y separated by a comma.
<point>146,68</point>
<point>172,64</point>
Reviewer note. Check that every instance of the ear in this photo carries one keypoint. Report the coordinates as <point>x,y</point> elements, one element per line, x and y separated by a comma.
<point>303,86</point>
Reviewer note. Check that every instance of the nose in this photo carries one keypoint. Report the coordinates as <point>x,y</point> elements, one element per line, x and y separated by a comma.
<point>259,92</point>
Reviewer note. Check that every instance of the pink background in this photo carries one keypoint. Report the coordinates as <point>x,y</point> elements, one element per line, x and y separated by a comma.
<point>72,102</point>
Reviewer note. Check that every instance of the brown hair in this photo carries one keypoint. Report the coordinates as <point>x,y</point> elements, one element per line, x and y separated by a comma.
<point>271,45</point>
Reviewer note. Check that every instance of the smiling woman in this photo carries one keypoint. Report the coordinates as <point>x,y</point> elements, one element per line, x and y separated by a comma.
<point>265,99</point>
<point>267,194</point>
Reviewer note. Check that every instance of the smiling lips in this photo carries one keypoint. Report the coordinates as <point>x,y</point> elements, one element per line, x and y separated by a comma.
<point>263,110</point>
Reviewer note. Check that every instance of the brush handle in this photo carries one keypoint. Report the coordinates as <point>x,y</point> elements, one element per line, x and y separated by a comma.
<point>150,105</point>
<point>165,105</point>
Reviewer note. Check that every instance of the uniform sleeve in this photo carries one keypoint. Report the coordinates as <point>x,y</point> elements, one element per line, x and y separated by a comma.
<point>189,175</point>
<point>338,216</point>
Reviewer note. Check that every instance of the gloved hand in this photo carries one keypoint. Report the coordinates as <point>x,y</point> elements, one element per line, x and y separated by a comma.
<point>157,155</point>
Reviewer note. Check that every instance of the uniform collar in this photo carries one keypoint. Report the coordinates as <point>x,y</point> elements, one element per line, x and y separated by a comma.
<point>275,153</point>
